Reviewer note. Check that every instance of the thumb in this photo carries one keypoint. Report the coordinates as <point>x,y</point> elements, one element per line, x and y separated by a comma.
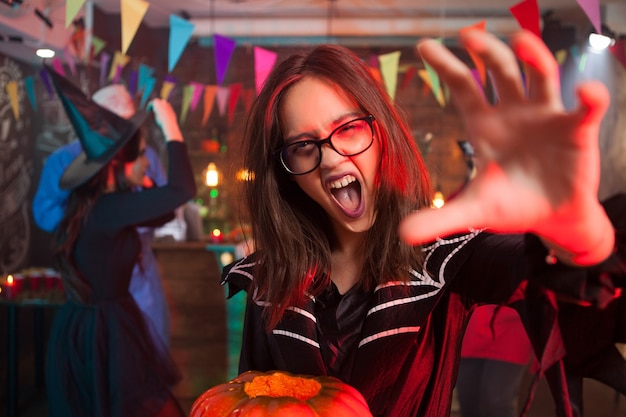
<point>428,224</point>
<point>594,100</point>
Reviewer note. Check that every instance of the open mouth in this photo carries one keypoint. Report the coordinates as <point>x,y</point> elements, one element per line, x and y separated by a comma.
<point>346,192</point>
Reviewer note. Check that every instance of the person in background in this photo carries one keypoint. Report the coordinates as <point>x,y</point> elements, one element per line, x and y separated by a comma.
<point>495,356</point>
<point>49,204</point>
<point>353,275</point>
<point>102,359</point>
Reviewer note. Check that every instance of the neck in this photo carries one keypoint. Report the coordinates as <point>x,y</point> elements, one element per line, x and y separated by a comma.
<point>347,260</point>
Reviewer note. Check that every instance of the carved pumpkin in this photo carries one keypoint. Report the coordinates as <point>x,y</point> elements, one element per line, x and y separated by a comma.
<point>281,394</point>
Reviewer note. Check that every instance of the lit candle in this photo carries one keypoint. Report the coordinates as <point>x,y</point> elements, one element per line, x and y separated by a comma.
<point>9,288</point>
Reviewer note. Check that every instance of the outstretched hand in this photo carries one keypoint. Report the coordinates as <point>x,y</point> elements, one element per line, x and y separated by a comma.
<point>538,166</point>
<point>166,119</point>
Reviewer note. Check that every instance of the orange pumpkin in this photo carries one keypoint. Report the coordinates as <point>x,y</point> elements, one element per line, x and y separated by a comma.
<point>281,394</point>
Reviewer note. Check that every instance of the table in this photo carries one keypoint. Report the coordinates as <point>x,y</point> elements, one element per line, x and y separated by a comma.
<point>14,307</point>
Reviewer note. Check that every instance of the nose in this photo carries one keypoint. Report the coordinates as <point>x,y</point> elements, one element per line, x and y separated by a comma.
<point>329,157</point>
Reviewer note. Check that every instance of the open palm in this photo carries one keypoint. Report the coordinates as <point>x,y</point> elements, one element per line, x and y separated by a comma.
<point>538,166</point>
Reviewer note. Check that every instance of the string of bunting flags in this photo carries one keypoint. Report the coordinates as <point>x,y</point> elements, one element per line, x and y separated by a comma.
<point>143,81</point>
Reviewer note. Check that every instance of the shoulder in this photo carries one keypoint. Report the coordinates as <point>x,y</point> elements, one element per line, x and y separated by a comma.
<point>239,275</point>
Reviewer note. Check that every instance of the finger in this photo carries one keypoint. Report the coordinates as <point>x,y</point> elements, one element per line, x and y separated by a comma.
<point>594,100</point>
<point>542,68</point>
<point>429,224</point>
<point>454,73</point>
<point>500,60</point>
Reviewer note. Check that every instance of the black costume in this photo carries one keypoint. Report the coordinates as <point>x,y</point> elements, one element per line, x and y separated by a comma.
<point>400,345</point>
<point>101,359</point>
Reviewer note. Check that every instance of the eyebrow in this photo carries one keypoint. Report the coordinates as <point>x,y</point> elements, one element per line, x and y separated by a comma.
<point>332,126</point>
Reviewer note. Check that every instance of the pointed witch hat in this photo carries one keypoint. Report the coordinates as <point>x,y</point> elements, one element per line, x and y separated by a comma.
<point>101,132</point>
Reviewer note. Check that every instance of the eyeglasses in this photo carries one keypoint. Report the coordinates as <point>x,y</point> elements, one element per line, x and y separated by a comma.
<point>349,139</point>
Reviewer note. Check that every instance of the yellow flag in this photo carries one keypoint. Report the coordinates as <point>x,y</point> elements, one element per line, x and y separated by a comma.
<point>166,89</point>
<point>11,88</point>
<point>71,8</point>
<point>389,71</point>
<point>132,13</point>
<point>119,60</point>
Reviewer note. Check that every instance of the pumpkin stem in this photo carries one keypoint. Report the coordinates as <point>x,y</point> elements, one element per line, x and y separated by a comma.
<point>282,385</point>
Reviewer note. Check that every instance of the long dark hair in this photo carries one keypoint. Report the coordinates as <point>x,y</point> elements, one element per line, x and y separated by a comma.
<point>290,230</point>
<point>79,204</point>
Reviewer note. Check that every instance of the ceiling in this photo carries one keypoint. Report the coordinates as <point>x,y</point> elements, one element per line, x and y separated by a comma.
<point>294,18</point>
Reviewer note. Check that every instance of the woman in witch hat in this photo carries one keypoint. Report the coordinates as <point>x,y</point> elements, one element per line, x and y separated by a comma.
<point>101,359</point>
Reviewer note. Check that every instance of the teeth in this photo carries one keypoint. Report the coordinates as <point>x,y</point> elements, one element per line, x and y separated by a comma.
<point>342,182</point>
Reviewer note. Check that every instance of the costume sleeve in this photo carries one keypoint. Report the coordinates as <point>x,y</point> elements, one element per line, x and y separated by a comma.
<point>148,206</point>
<point>49,200</point>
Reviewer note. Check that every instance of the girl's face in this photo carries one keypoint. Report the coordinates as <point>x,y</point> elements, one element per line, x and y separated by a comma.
<point>343,185</point>
<point>136,170</point>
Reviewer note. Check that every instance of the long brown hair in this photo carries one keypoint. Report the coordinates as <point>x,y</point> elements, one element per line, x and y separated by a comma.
<point>291,230</point>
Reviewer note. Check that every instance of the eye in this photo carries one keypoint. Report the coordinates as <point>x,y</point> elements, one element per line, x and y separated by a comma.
<point>349,129</point>
<point>301,148</point>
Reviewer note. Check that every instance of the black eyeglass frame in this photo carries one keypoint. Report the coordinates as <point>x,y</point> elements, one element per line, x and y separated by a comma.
<point>319,142</point>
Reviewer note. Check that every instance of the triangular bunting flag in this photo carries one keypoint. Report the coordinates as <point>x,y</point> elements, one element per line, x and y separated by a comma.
<point>119,61</point>
<point>187,94</point>
<point>71,8</point>
<point>180,33</point>
<point>592,10</point>
<point>376,74</point>
<point>132,13</point>
<point>480,65</point>
<point>45,79</point>
<point>11,89</point>
<point>389,71</point>
<point>209,99</point>
<point>198,90</point>
<point>97,45</point>
<point>104,61</point>
<point>132,83</point>
<point>408,76</point>
<point>223,49</point>
<point>148,87</point>
<point>167,87</point>
<point>526,13</point>
<point>145,73</point>
<point>433,83</point>
<point>222,99</point>
<point>561,56</point>
<point>233,97</point>
<point>29,85</point>
<point>58,66</point>
<point>247,96</point>
<point>619,51</point>
<point>264,61</point>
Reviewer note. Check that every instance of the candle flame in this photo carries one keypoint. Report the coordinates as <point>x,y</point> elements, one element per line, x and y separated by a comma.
<point>10,280</point>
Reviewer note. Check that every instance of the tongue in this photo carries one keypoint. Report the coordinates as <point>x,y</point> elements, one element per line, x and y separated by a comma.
<point>349,197</point>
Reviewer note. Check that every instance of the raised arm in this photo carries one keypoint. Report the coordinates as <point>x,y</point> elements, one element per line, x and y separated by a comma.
<point>538,165</point>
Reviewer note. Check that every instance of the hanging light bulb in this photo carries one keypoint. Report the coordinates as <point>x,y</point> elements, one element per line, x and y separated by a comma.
<point>438,200</point>
<point>211,176</point>
<point>600,42</point>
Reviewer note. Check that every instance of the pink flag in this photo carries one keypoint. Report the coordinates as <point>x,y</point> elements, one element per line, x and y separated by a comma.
<point>592,10</point>
<point>264,61</point>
